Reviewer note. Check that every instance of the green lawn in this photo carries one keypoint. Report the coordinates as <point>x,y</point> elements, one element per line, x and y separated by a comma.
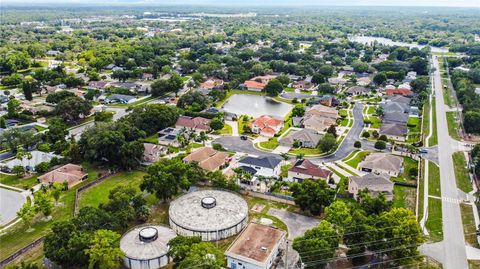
<point>151,139</point>
<point>284,170</point>
<point>426,118</point>
<point>350,171</point>
<point>241,123</point>
<point>404,197</point>
<point>251,201</point>
<point>227,130</point>
<point>433,179</point>
<point>343,113</point>
<point>20,235</point>
<point>421,187</point>
<point>408,164</point>
<point>99,193</point>
<point>272,143</point>
<point>358,158</point>
<point>22,183</point>
<point>434,221</point>
<point>469,228</point>
<point>452,125</point>
<point>461,172</point>
<point>306,151</point>
<point>375,122</point>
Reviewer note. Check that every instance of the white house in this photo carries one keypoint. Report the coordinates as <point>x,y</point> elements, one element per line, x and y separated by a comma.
<point>256,247</point>
<point>30,160</point>
<point>268,166</point>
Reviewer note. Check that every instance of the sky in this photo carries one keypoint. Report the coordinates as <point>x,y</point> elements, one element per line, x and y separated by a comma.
<point>451,3</point>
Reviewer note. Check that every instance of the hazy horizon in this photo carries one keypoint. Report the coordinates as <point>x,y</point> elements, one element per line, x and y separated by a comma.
<point>405,3</point>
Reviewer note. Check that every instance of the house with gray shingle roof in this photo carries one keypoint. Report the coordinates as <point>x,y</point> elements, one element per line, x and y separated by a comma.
<point>375,184</point>
<point>307,138</point>
<point>382,163</point>
<point>394,131</point>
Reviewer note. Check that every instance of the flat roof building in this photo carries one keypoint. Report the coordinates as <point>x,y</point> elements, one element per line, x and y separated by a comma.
<point>257,247</point>
<point>146,246</point>
<point>210,214</point>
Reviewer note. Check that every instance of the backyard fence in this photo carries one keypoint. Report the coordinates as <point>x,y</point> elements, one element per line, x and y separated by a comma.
<point>85,187</point>
<point>21,251</point>
<point>270,196</point>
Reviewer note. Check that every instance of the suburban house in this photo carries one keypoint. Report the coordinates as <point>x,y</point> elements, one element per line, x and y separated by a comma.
<point>52,53</point>
<point>70,173</point>
<point>101,84</point>
<point>168,137</point>
<point>382,163</point>
<point>303,85</point>
<point>264,79</point>
<point>399,91</point>
<point>29,162</point>
<point>399,99</point>
<point>319,118</point>
<point>207,158</point>
<point>197,124</point>
<point>118,98</point>
<point>395,117</point>
<point>306,138</point>
<point>257,247</point>
<point>147,76</point>
<point>376,184</point>
<point>266,126</point>
<point>357,90</point>
<point>152,152</point>
<point>394,131</point>
<point>364,81</point>
<point>390,106</point>
<point>305,169</point>
<point>267,166</point>
<point>337,81</point>
<point>252,85</point>
<point>212,84</point>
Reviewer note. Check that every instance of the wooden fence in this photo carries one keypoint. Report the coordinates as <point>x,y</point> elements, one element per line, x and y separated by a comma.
<point>20,252</point>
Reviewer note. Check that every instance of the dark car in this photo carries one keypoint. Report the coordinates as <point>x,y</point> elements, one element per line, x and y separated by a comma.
<point>243,137</point>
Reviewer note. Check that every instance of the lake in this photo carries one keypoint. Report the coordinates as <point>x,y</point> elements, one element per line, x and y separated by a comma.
<point>387,41</point>
<point>256,106</point>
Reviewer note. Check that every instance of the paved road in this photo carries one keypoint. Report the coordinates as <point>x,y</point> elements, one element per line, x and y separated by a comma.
<point>454,241</point>
<point>353,135</point>
<point>234,143</point>
<point>10,203</point>
<point>297,224</point>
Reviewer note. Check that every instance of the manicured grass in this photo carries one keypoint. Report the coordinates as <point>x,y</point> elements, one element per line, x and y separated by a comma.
<point>421,188</point>
<point>241,123</point>
<point>136,103</point>
<point>452,125</point>
<point>306,151</point>
<point>426,119</point>
<point>346,169</point>
<point>272,143</point>
<point>284,170</point>
<point>375,122</point>
<point>251,201</point>
<point>434,222</point>
<point>22,183</point>
<point>404,197</point>
<point>371,110</point>
<point>447,96</point>
<point>408,164</point>
<point>461,172</point>
<point>98,194</point>
<point>151,139</point>
<point>469,228</point>
<point>20,235</point>
<point>434,138</point>
<point>433,179</point>
<point>358,158</point>
<point>351,155</point>
<point>227,130</point>
<point>473,264</point>
<point>343,113</point>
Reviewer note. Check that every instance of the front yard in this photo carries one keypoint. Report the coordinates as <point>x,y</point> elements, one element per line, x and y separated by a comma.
<point>461,172</point>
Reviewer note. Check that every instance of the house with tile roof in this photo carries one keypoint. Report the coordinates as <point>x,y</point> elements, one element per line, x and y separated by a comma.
<point>375,184</point>
<point>266,126</point>
<point>394,131</point>
<point>193,123</point>
<point>207,158</point>
<point>70,173</point>
<point>399,91</point>
<point>305,169</point>
<point>253,85</point>
<point>382,163</point>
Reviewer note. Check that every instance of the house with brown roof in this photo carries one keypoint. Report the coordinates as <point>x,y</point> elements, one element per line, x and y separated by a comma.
<point>153,152</point>
<point>101,84</point>
<point>266,126</point>
<point>70,173</point>
<point>197,124</point>
<point>303,85</point>
<point>212,84</point>
<point>375,184</point>
<point>207,158</point>
<point>305,169</point>
<point>382,163</point>
<point>399,91</point>
<point>394,131</point>
<point>320,117</point>
<point>257,247</point>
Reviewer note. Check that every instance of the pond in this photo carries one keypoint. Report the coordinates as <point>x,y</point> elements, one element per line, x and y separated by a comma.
<point>387,41</point>
<point>256,106</point>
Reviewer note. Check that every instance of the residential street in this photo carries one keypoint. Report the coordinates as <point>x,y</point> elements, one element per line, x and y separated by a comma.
<point>455,256</point>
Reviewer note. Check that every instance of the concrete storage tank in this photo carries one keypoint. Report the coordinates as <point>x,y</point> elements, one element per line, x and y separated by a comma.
<point>210,214</point>
<point>145,246</point>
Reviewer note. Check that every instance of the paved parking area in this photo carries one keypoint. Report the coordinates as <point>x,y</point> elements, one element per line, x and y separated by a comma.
<point>10,203</point>
<point>297,224</point>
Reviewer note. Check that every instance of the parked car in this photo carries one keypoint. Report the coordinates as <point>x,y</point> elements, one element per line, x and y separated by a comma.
<point>243,137</point>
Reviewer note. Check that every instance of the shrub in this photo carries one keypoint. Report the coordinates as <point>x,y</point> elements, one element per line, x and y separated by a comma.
<point>380,145</point>
<point>383,138</point>
<point>357,144</point>
<point>366,134</point>
<point>42,167</point>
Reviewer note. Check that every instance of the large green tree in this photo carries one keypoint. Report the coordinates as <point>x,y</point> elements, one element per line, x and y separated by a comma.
<point>72,109</point>
<point>273,87</point>
<point>312,195</point>
<point>104,251</point>
<point>317,245</point>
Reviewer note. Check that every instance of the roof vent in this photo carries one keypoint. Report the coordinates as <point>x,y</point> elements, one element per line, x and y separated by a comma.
<point>209,202</point>
<point>148,234</point>
<point>264,249</point>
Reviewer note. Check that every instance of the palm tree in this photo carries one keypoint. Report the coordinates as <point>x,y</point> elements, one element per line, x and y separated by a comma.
<point>203,137</point>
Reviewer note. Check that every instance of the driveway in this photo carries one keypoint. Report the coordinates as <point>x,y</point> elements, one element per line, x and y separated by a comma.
<point>297,224</point>
<point>234,143</point>
<point>10,203</point>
